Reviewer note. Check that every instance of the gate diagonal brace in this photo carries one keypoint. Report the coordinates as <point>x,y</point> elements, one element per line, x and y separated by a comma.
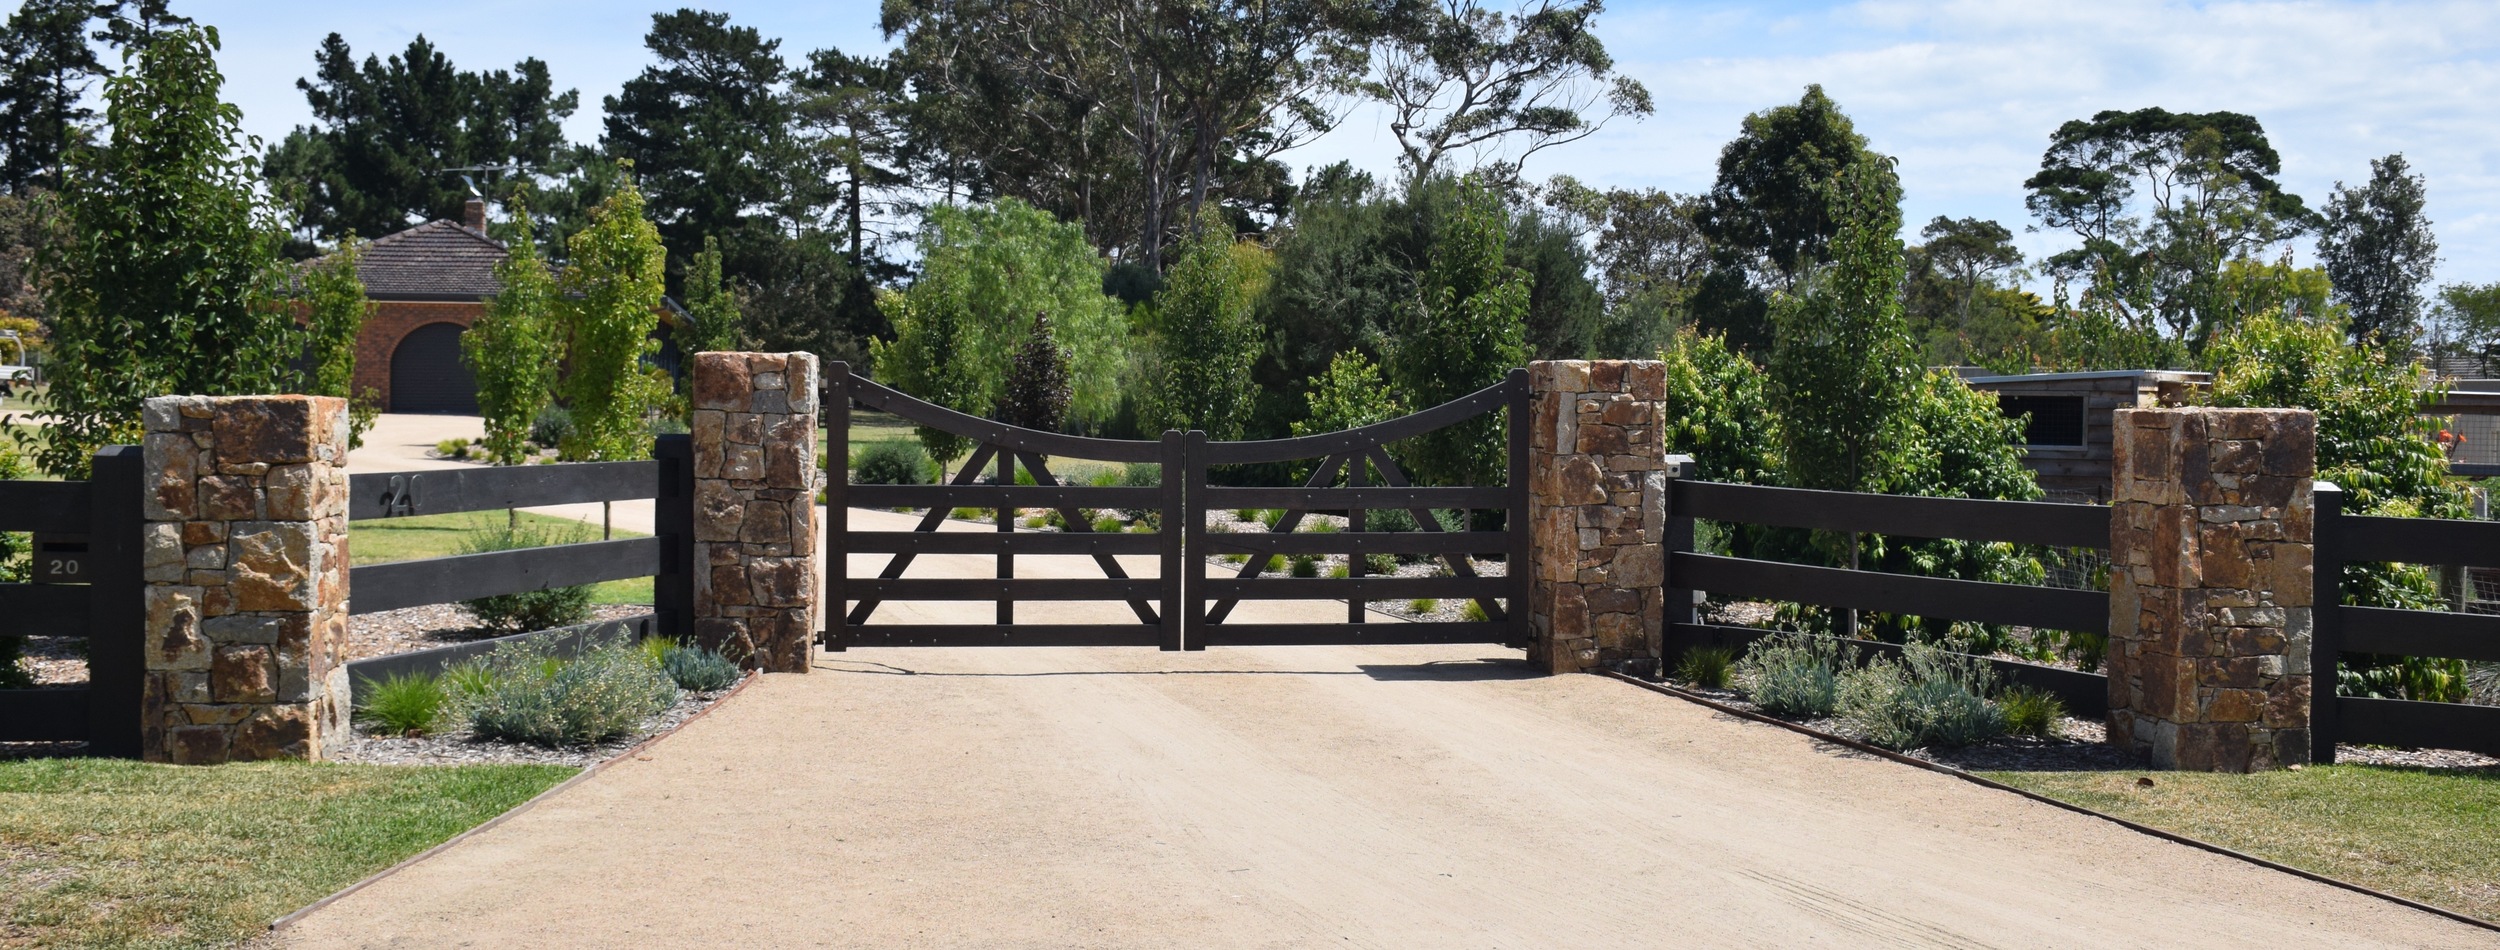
<point>1076,525</point>
<point>1424,521</point>
<point>1324,476</point>
<point>895,565</point>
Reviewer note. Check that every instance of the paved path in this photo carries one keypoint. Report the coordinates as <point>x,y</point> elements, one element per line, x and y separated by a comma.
<point>1298,797</point>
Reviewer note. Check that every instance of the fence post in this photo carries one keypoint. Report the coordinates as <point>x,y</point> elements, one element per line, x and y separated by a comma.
<point>2326,648</point>
<point>2211,590</point>
<point>837,570</point>
<point>1183,531</point>
<point>1676,530</point>
<point>1596,462</point>
<point>117,674</point>
<point>245,557</point>
<point>672,518</point>
<point>754,531</point>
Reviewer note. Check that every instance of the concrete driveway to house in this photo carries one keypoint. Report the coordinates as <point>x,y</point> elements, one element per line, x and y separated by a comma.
<point>1298,797</point>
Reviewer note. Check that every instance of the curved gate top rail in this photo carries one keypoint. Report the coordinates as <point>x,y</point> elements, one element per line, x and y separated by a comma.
<point>1183,608</point>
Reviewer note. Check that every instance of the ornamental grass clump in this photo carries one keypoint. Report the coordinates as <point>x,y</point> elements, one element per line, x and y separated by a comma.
<point>529,696</point>
<point>1795,675</point>
<point>2031,712</point>
<point>403,704</point>
<point>1706,667</point>
<point>1929,698</point>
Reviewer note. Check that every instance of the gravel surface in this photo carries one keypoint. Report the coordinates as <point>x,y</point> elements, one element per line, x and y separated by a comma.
<point>421,628</point>
<point>2081,745</point>
<point>459,748</point>
<point>57,661</point>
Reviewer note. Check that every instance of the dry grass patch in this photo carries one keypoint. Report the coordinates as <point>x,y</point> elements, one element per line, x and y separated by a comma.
<point>2424,834</point>
<point>100,853</point>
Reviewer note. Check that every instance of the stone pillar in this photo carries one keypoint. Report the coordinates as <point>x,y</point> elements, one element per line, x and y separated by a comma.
<point>2210,588</point>
<point>755,507</point>
<point>1596,512</point>
<point>246,563</point>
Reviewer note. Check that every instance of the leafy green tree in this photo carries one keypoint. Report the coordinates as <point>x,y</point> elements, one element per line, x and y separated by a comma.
<point>608,308</point>
<point>1650,256</point>
<point>983,271</point>
<point>1125,117</point>
<point>1350,395</point>
<point>1205,333</point>
<point>711,308</point>
<point>166,267</point>
<point>2374,444</point>
<point>1841,367</point>
<point>513,348</point>
<point>399,140</point>
<point>708,129</point>
<point>1036,394</point>
<point>1959,299</point>
<point>2378,250</point>
<point>335,312</point>
<point>46,68</point>
<point>1719,411</point>
<point>2465,323</point>
<point>1767,219</point>
<point>1470,330</point>
<point>1460,78</point>
<point>2205,186</point>
<point>799,293</point>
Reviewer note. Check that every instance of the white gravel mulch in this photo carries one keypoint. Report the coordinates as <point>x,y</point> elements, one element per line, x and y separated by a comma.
<point>460,748</point>
<point>435,625</point>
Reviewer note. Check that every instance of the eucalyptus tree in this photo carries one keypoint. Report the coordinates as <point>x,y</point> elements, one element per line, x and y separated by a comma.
<point>2160,201</point>
<point>1460,78</point>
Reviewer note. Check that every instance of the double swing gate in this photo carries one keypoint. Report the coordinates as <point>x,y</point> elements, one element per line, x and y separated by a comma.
<point>1180,607</point>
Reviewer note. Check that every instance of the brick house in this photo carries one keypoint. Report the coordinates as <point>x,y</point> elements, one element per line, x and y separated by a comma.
<point>427,285</point>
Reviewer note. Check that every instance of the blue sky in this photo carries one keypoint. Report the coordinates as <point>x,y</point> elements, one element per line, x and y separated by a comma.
<point>1964,93</point>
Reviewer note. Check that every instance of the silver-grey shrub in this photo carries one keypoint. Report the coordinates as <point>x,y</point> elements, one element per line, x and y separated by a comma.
<point>1795,675</point>
<point>525,695</point>
<point>1929,698</point>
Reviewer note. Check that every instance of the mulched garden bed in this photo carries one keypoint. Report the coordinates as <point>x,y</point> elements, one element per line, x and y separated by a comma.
<point>2081,745</point>
<point>460,748</point>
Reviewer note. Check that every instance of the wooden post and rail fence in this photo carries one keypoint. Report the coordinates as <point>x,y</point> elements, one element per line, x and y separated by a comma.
<point>207,568</point>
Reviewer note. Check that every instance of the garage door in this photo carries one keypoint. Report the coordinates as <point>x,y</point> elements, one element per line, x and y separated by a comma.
<point>427,374</point>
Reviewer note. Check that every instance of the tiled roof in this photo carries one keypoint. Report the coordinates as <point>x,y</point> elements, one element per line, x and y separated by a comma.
<point>437,260</point>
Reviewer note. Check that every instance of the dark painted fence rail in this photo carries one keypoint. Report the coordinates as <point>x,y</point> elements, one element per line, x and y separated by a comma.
<point>2348,539</point>
<point>92,586</point>
<point>668,480</point>
<point>1903,516</point>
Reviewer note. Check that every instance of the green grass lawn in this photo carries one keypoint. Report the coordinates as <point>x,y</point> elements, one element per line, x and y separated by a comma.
<point>2423,834</point>
<point>102,853</point>
<point>384,540</point>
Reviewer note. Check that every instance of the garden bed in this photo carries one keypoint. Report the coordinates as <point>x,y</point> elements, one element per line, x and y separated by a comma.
<point>460,747</point>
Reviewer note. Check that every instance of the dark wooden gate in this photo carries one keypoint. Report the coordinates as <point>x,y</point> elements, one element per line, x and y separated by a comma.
<point>1181,607</point>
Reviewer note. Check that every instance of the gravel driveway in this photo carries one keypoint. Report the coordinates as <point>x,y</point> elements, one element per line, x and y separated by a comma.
<point>1297,797</point>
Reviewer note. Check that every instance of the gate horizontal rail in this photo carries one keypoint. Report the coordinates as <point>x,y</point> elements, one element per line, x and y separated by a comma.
<point>442,580</point>
<point>1948,598</point>
<point>978,495</point>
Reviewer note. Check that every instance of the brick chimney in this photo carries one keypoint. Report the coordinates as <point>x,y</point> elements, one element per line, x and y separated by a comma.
<point>473,214</point>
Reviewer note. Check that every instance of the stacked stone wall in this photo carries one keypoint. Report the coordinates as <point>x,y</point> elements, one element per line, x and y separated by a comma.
<point>2211,548</point>
<point>1597,512</point>
<point>246,565</point>
<point>755,507</point>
